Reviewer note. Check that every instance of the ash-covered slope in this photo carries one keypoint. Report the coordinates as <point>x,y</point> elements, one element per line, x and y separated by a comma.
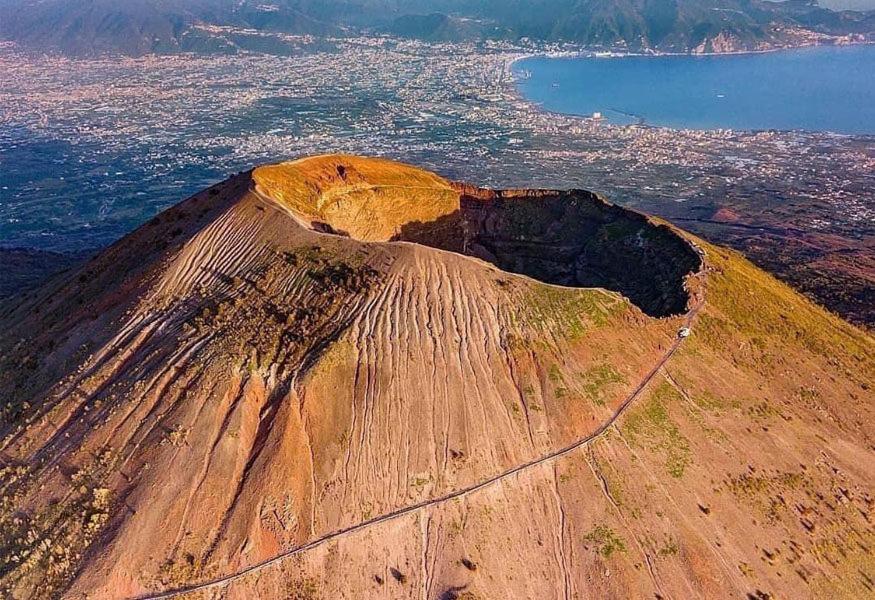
<point>286,387</point>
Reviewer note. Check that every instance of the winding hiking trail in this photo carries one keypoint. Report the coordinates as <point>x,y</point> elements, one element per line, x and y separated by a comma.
<point>225,580</point>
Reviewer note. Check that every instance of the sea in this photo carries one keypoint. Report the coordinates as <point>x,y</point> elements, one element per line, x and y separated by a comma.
<point>813,89</point>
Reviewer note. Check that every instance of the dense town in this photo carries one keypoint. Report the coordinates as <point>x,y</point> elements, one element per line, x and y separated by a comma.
<point>92,147</point>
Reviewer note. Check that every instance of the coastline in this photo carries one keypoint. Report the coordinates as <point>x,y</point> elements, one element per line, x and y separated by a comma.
<point>514,58</point>
<point>519,96</point>
<point>592,53</point>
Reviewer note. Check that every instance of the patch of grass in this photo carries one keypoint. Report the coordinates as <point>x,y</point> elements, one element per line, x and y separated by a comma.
<point>597,379</point>
<point>767,492</point>
<point>605,541</point>
<point>651,425</point>
<point>748,485</point>
<point>570,312</point>
<point>669,548</point>
<point>709,402</point>
<point>558,381</point>
<point>419,481</point>
<point>761,411</point>
<point>305,589</point>
<point>616,490</point>
<point>180,570</point>
<point>46,546</point>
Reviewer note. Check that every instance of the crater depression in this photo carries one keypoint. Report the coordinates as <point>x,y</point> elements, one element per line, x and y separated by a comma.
<point>571,238</point>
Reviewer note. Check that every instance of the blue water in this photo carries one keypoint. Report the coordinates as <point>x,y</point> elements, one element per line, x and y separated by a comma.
<point>815,89</point>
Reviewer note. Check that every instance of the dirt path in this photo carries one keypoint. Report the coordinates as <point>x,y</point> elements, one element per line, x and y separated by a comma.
<point>223,581</point>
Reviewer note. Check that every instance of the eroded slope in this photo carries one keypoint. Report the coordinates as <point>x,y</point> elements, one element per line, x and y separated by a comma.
<point>227,403</point>
<point>744,470</point>
<point>226,384</point>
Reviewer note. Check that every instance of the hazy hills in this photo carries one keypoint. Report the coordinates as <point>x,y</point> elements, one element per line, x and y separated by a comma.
<point>653,24</point>
<point>140,26</point>
<point>347,377</point>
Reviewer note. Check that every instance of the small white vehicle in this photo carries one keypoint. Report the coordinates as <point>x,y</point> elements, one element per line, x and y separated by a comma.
<point>684,332</point>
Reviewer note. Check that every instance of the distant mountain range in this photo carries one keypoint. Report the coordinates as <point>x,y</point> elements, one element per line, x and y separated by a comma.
<point>144,26</point>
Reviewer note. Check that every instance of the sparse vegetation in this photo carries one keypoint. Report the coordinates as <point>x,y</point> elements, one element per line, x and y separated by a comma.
<point>669,548</point>
<point>650,425</point>
<point>554,374</point>
<point>176,571</point>
<point>710,402</point>
<point>597,382</point>
<point>303,589</point>
<point>263,325</point>
<point>603,539</point>
<point>771,319</point>
<point>570,313</point>
<point>420,480</point>
<point>342,275</point>
<point>766,491</point>
<point>761,411</point>
<point>48,544</point>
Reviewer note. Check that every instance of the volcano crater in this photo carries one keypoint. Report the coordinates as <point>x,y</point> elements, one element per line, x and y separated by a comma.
<point>572,238</point>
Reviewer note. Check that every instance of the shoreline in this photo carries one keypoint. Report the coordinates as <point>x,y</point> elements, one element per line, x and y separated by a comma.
<point>582,54</point>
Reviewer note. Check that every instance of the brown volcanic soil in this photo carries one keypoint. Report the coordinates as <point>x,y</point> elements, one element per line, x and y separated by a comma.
<point>235,401</point>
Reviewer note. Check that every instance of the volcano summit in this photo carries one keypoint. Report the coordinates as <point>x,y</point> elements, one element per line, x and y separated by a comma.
<point>342,377</point>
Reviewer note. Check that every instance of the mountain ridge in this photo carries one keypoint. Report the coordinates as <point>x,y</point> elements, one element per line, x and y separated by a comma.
<point>289,392</point>
<point>155,26</point>
<point>235,381</point>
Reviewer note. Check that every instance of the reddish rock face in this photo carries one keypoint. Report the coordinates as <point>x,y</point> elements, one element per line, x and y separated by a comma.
<point>345,377</point>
